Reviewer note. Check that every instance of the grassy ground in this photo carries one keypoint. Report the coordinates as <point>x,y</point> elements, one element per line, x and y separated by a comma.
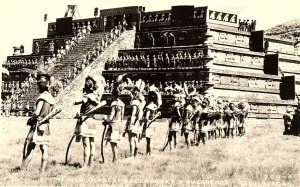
<point>263,157</point>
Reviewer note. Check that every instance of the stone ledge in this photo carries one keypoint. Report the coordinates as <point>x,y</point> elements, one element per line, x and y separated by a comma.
<point>232,64</point>
<point>241,88</point>
<point>153,70</point>
<point>167,48</point>
<point>293,58</point>
<point>245,74</point>
<point>267,101</point>
<point>165,29</point>
<point>265,116</point>
<point>279,40</point>
<point>227,29</point>
<point>220,48</point>
<point>231,44</point>
<point>292,72</point>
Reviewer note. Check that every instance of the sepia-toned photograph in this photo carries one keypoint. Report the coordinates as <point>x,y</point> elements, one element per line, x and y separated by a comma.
<point>150,93</point>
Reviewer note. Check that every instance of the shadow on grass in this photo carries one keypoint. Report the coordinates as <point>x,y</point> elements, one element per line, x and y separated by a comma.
<point>15,169</point>
<point>75,165</point>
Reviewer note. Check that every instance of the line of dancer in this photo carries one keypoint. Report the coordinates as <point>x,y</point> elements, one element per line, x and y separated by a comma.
<point>197,117</point>
<point>201,117</point>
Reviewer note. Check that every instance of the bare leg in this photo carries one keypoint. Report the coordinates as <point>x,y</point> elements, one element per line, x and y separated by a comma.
<point>148,146</point>
<point>86,150</point>
<point>196,137</point>
<point>175,140</point>
<point>227,131</point>
<point>199,137</point>
<point>187,142</point>
<point>92,152</point>
<point>131,144</point>
<point>28,155</point>
<point>204,135</point>
<point>243,129</point>
<point>114,148</point>
<point>170,139</point>
<point>170,144</point>
<point>136,144</point>
<point>212,134</point>
<point>44,149</point>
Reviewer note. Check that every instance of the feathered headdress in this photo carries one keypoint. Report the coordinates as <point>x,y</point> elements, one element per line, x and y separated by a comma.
<point>120,79</point>
<point>139,85</point>
<point>206,101</point>
<point>219,101</point>
<point>244,105</point>
<point>43,69</point>
<point>179,93</point>
<point>99,84</point>
<point>189,91</point>
<point>153,90</point>
<point>197,99</point>
<point>55,84</point>
<point>178,89</point>
<point>119,82</point>
<point>46,68</point>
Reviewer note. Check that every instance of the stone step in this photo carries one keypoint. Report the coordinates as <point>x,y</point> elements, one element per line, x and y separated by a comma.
<point>65,99</point>
<point>79,50</point>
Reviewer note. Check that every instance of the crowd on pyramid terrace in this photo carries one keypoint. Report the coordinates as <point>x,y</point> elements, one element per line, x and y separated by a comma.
<point>14,92</point>
<point>18,87</point>
<point>246,25</point>
<point>21,63</point>
<point>160,61</point>
<point>11,107</point>
<point>91,55</point>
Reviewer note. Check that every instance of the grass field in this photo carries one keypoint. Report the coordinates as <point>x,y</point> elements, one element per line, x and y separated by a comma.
<point>263,157</point>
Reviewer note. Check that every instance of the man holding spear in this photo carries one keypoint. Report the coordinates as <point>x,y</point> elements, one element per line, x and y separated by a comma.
<point>133,127</point>
<point>115,119</point>
<point>39,133</point>
<point>151,114</point>
<point>86,124</point>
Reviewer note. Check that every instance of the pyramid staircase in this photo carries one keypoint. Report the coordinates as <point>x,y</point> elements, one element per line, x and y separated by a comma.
<point>69,60</point>
<point>81,49</point>
<point>73,91</point>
